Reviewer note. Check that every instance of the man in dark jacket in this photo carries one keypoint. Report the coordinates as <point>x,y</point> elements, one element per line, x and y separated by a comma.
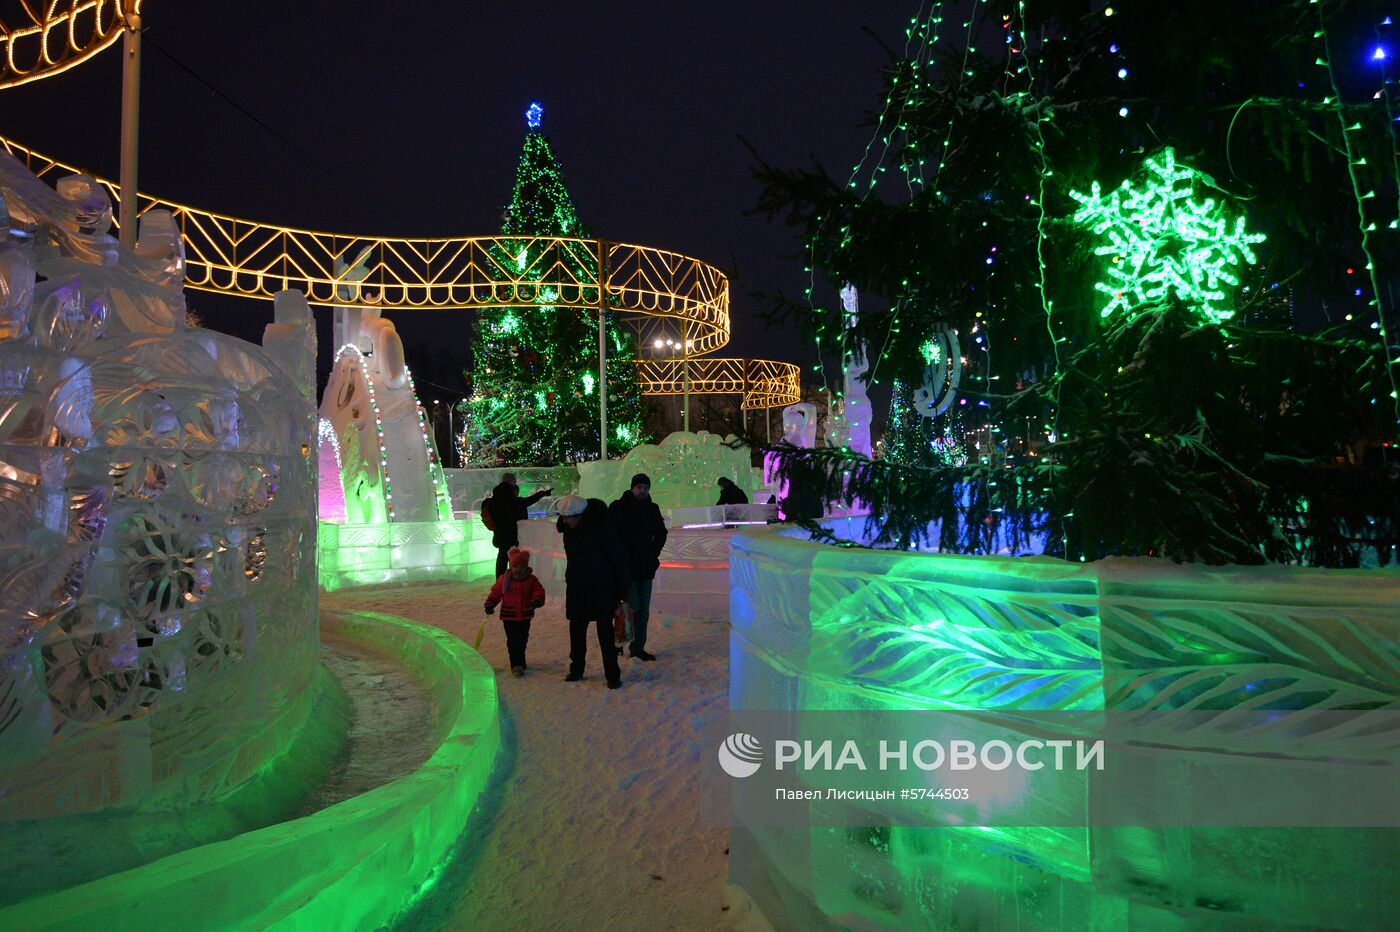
<point>731,494</point>
<point>643,534</point>
<point>595,581</point>
<point>507,510</point>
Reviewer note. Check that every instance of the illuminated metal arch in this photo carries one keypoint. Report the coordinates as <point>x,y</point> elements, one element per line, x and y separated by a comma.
<point>763,383</point>
<point>228,255</point>
<point>57,36</point>
<point>244,258</point>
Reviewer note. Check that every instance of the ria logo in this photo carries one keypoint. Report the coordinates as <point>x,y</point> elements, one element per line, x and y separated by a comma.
<point>740,755</point>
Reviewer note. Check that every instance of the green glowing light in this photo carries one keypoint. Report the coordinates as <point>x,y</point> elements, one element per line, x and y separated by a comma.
<point>1164,242</point>
<point>931,351</point>
<point>588,382</point>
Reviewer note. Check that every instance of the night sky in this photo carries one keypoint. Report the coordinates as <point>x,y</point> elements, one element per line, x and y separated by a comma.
<point>407,120</point>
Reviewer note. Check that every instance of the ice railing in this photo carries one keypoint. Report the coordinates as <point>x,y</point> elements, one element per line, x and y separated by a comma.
<point>723,516</point>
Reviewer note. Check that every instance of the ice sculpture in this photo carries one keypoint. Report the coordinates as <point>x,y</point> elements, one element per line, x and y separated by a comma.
<point>848,425</point>
<point>942,373</point>
<point>158,628</point>
<point>799,430</point>
<point>389,467</point>
<point>683,468</point>
<point>800,425</point>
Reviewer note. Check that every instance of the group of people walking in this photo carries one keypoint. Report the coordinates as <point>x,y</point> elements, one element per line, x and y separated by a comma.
<point>612,552</point>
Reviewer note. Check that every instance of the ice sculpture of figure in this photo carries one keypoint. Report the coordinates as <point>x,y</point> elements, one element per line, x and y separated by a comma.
<point>799,430</point>
<point>838,433</point>
<point>389,467</point>
<point>855,403</point>
<point>291,339</point>
<point>353,313</point>
<point>800,425</point>
<point>16,283</point>
<point>70,227</point>
<point>147,471</point>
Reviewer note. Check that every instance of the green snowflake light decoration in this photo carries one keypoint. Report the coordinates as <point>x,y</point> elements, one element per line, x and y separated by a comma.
<point>931,352</point>
<point>1164,241</point>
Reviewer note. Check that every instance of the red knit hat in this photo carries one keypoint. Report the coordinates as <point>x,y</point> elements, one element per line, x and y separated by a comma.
<point>518,557</point>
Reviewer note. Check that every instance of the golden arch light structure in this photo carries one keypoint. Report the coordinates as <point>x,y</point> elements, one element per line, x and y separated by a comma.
<point>650,287</point>
<point>47,37</point>
<point>763,383</point>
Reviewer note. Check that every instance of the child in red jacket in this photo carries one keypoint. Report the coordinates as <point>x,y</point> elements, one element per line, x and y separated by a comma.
<point>519,593</point>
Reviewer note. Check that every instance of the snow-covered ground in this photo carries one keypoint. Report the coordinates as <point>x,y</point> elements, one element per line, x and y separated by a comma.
<point>593,820</point>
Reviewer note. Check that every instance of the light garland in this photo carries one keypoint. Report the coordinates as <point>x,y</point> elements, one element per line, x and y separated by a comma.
<point>378,425</point>
<point>325,433</point>
<point>1365,228</point>
<point>1164,242</point>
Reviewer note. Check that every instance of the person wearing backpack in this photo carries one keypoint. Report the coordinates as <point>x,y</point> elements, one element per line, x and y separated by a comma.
<point>502,512</point>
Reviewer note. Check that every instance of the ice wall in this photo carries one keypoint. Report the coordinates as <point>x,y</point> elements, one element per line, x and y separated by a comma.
<point>684,469</point>
<point>157,531</point>
<point>819,627</point>
<point>469,486</point>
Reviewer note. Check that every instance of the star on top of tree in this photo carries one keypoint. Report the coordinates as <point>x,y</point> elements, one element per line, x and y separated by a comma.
<point>1164,241</point>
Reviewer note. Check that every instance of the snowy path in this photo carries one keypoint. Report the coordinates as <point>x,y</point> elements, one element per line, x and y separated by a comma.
<point>593,820</point>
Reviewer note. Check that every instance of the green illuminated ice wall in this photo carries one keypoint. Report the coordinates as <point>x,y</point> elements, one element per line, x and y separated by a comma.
<point>818,627</point>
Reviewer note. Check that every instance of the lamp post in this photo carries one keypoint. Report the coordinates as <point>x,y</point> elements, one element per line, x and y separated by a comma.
<point>684,347</point>
<point>602,352</point>
<point>685,372</point>
<point>437,419</point>
<point>131,121</point>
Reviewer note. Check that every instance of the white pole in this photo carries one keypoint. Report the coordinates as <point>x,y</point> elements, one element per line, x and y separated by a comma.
<point>131,121</point>
<point>602,353</point>
<point>685,373</point>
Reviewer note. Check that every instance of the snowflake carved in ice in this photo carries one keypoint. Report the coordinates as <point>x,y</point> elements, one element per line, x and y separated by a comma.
<point>96,669</point>
<point>169,568</point>
<point>1165,242</point>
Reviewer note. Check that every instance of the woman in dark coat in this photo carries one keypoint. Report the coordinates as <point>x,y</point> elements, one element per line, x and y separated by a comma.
<point>595,581</point>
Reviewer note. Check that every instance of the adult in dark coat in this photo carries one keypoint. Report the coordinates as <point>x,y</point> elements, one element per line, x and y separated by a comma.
<point>731,494</point>
<point>507,510</point>
<point>643,534</point>
<point>595,581</point>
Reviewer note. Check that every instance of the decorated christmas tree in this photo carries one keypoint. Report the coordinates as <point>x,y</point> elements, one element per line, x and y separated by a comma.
<point>1108,226</point>
<point>535,389</point>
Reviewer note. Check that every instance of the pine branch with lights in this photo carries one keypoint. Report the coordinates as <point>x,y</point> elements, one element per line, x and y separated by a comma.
<point>1152,461</point>
<point>1125,326</point>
